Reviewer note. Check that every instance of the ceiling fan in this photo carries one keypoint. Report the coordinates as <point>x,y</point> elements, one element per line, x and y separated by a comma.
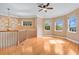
<point>45,7</point>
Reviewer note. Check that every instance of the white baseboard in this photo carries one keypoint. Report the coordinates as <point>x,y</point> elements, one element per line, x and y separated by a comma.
<point>66,38</point>
<point>77,42</point>
<point>72,40</point>
<point>48,35</point>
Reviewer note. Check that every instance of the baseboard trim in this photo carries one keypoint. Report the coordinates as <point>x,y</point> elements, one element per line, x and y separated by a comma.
<point>72,40</point>
<point>48,35</point>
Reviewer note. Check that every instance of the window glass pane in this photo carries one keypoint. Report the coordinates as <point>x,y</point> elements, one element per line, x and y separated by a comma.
<point>59,25</point>
<point>72,24</point>
<point>47,24</point>
<point>47,27</point>
<point>27,23</point>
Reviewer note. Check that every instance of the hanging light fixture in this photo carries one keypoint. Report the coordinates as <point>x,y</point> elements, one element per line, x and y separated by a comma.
<point>8,27</point>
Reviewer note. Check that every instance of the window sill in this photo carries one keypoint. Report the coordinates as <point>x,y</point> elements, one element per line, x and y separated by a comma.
<point>71,32</point>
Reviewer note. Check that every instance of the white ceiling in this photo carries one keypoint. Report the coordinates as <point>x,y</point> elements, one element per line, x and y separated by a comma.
<point>31,9</point>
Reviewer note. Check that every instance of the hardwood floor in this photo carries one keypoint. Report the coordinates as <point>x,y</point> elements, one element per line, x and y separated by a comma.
<point>43,46</point>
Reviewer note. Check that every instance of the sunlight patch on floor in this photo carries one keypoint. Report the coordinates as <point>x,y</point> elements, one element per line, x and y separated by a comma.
<point>47,47</point>
<point>46,37</point>
<point>56,41</point>
<point>59,49</point>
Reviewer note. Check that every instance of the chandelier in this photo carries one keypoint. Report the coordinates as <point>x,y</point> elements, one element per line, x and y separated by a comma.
<point>8,26</point>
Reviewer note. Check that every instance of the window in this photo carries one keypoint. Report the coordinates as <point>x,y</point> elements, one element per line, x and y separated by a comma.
<point>27,23</point>
<point>47,27</point>
<point>72,24</point>
<point>59,25</point>
<point>47,24</point>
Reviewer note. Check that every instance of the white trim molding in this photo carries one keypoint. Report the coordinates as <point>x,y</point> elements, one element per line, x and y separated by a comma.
<point>72,40</point>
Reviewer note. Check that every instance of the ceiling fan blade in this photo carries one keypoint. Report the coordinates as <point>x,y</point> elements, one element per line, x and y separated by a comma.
<point>44,6</point>
<point>49,8</point>
<point>47,4</point>
<point>40,10</point>
<point>40,5</point>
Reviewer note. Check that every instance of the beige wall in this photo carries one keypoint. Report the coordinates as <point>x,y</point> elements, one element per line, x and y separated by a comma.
<point>40,22</point>
<point>65,33</point>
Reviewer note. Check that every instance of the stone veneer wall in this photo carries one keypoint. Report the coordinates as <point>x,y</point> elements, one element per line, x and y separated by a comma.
<point>13,22</point>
